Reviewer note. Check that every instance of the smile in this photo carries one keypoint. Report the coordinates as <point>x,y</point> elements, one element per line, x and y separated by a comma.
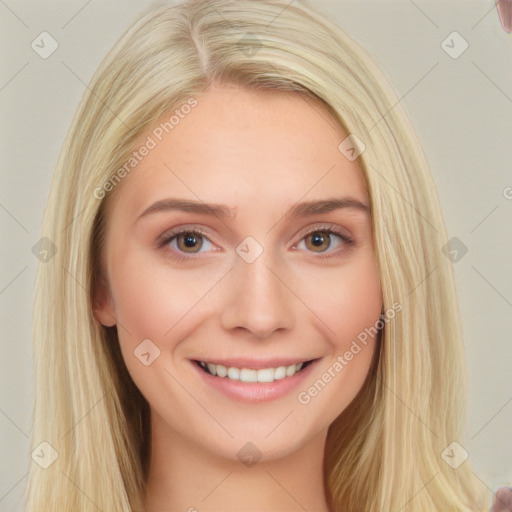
<point>251,374</point>
<point>254,381</point>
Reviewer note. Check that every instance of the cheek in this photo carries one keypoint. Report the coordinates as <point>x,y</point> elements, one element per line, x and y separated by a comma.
<point>349,303</point>
<point>158,301</point>
<point>348,300</point>
<point>152,299</point>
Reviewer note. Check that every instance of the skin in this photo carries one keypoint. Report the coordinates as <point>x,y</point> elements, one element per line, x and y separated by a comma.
<point>502,501</point>
<point>259,153</point>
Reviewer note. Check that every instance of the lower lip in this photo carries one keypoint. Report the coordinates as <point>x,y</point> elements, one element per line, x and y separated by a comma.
<point>255,391</point>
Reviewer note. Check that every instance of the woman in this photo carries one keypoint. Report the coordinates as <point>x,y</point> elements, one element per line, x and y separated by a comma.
<point>250,308</point>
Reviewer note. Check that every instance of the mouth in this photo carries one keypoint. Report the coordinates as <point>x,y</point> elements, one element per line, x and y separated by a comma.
<point>261,375</point>
<point>252,380</point>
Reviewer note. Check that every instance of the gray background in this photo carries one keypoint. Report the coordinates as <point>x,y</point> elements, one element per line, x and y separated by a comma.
<point>461,109</point>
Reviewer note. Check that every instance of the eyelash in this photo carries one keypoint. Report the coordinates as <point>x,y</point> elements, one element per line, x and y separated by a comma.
<point>166,238</point>
<point>330,230</point>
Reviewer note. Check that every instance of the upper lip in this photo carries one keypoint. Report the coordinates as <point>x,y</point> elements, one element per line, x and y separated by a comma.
<point>255,364</point>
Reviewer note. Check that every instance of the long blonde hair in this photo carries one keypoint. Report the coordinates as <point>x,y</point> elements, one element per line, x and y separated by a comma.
<point>384,452</point>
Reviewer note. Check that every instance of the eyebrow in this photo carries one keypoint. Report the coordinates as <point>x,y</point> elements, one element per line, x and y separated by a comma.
<point>303,209</point>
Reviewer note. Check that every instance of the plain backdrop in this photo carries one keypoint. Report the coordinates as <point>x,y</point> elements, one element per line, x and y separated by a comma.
<point>461,109</point>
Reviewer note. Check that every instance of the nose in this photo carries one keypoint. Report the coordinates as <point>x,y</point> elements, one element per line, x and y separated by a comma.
<point>258,298</point>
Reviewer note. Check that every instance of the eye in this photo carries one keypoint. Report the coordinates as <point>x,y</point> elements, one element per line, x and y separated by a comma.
<point>186,241</point>
<point>323,240</point>
<point>320,240</point>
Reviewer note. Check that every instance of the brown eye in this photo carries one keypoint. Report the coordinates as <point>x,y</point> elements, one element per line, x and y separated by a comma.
<point>189,242</point>
<point>318,241</point>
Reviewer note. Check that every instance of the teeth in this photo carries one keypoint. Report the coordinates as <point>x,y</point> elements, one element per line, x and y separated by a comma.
<point>222,371</point>
<point>290,370</point>
<point>234,373</point>
<point>248,375</point>
<point>280,373</point>
<point>251,375</point>
<point>266,375</point>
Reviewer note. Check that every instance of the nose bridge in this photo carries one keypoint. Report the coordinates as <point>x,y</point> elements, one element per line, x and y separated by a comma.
<point>257,299</point>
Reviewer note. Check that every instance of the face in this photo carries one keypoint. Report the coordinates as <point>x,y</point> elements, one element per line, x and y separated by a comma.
<point>272,282</point>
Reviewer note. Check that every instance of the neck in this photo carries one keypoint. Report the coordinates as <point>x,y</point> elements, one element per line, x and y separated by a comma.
<point>185,477</point>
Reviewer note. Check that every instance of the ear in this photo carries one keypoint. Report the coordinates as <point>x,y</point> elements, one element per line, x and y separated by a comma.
<point>103,307</point>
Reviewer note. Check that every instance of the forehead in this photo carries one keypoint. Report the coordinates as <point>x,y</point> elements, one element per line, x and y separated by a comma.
<point>244,148</point>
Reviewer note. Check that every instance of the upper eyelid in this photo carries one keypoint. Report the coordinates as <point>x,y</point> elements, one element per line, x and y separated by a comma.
<point>327,227</point>
<point>178,230</point>
<point>191,228</point>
